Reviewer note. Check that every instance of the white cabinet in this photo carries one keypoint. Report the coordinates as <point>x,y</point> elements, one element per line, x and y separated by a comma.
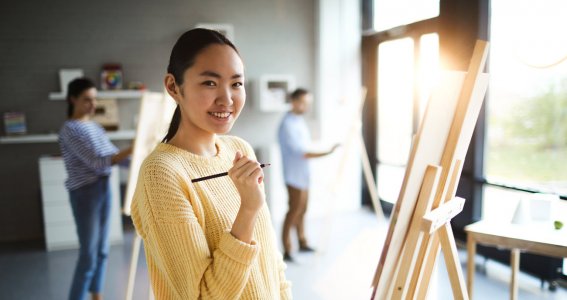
<point>58,219</point>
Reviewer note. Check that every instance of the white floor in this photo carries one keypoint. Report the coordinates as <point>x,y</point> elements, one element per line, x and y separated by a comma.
<point>349,247</point>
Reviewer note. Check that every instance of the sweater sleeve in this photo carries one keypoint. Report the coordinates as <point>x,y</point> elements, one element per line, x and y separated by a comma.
<point>177,243</point>
<point>285,285</point>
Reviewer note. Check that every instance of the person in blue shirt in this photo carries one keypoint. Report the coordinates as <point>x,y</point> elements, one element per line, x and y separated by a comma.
<point>294,140</point>
<point>88,155</point>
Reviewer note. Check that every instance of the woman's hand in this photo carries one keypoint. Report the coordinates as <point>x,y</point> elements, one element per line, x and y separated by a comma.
<point>247,176</point>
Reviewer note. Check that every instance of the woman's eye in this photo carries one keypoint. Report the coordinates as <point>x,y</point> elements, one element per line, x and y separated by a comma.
<point>209,83</point>
<point>237,84</point>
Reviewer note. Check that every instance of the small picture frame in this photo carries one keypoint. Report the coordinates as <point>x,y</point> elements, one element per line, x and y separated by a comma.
<point>226,29</point>
<point>273,91</point>
<point>106,114</point>
<point>66,76</point>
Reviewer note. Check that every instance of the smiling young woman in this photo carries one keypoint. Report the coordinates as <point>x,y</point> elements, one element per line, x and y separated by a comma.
<point>212,239</point>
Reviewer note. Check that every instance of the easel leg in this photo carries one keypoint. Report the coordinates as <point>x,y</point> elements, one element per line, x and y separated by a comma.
<point>409,266</point>
<point>150,292</point>
<point>428,263</point>
<point>417,275</point>
<point>515,266</point>
<point>370,182</point>
<point>452,262</point>
<point>410,259</point>
<point>133,265</point>
<point>471,253</point>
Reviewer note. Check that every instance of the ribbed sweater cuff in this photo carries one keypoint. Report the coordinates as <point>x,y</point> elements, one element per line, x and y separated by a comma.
<point>238,250</point>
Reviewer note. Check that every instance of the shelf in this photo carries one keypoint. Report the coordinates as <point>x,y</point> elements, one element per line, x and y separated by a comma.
<point>118,94</point>
<point>52,137</point>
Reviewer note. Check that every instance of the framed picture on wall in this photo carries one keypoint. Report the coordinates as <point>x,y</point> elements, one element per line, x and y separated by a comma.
<point>106,114</point>
<point>226,29</point>
<point>273,91</point>
<point>66,76</point>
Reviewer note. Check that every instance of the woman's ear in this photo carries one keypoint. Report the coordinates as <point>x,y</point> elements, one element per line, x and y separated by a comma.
<point>171,87</point>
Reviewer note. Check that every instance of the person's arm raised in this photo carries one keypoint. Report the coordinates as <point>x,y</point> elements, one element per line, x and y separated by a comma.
<point>319,154</point>
<point>122,154</point>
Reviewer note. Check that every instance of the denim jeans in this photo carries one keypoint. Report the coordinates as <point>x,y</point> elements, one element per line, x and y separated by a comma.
<point>91,209</point>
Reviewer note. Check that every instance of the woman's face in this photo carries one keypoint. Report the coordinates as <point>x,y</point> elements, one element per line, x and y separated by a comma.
<point>85,103</point>
<point>212,94</point>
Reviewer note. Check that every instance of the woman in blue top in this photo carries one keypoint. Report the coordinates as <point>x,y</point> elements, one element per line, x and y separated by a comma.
<point>88,155</point>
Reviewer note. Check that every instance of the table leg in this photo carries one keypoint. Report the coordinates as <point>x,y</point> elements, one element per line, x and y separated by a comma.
<point>471,253</point>
<point>515,266</point>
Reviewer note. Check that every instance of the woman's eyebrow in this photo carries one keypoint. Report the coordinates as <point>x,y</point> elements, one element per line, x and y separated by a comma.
<point>216,75</point>
<point>210,74</point>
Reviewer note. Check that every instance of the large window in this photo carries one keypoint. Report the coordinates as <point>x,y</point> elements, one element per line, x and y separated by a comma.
<point>395,110</point>
<point>526,144</point>
<point>389,14</point>
<point>404,85</point>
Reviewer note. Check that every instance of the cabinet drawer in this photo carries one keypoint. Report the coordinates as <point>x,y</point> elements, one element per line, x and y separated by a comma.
<point>52,170</point>
<point>61,236</point>
<point>54,193</point>
<point>57,213</point>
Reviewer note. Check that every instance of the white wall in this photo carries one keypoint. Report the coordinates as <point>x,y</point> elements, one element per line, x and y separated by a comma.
<point>336,179</point>
<point>272,36</point>
<point>338,78</point>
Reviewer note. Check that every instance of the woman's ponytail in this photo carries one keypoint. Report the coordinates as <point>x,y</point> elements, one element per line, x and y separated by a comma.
<point>173,126</point>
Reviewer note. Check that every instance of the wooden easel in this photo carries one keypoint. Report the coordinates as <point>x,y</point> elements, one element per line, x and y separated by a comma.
<point>155,114</point>
<point>366,167</point>
<point>355,136</point>
<point>420,221</point>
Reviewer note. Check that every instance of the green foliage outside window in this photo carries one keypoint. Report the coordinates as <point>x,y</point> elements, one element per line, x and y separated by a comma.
<point>530,148</point>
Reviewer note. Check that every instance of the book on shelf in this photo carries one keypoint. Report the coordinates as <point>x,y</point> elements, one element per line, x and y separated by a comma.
<point>15,123</point>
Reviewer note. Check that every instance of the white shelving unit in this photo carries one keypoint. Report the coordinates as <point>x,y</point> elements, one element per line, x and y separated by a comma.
<point>128,133</point>
<point>59,225</point>
<point>115,94</point>
<point>52,137</point>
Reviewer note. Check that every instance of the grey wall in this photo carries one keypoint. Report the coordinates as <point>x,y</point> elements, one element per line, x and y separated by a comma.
<point>37,40</point>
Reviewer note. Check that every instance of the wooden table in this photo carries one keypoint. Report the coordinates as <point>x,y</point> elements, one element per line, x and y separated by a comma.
<point>538,238</point>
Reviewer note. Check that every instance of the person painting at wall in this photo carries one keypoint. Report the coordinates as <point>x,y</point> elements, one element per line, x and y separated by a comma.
<point>211,239</point>
<point>88,155</point>
<point>294,140</point>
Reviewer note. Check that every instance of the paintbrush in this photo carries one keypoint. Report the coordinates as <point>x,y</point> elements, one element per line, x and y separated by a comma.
<point>218,175</point>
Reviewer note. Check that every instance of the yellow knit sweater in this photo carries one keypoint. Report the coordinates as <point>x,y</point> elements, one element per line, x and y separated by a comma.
<point>186,229</point>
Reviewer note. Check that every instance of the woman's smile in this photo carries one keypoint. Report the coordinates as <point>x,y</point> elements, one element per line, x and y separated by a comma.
<point>225,115</point>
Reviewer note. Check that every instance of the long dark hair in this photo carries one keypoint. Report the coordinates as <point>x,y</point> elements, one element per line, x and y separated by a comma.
<point>75,88</point>
<point>183,55</point>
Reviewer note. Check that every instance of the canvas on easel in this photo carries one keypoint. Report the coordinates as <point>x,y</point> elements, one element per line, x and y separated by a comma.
<point>355,137</point>
<point>420,221</point>
<point>155,115</point>
<point>156,110</point>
